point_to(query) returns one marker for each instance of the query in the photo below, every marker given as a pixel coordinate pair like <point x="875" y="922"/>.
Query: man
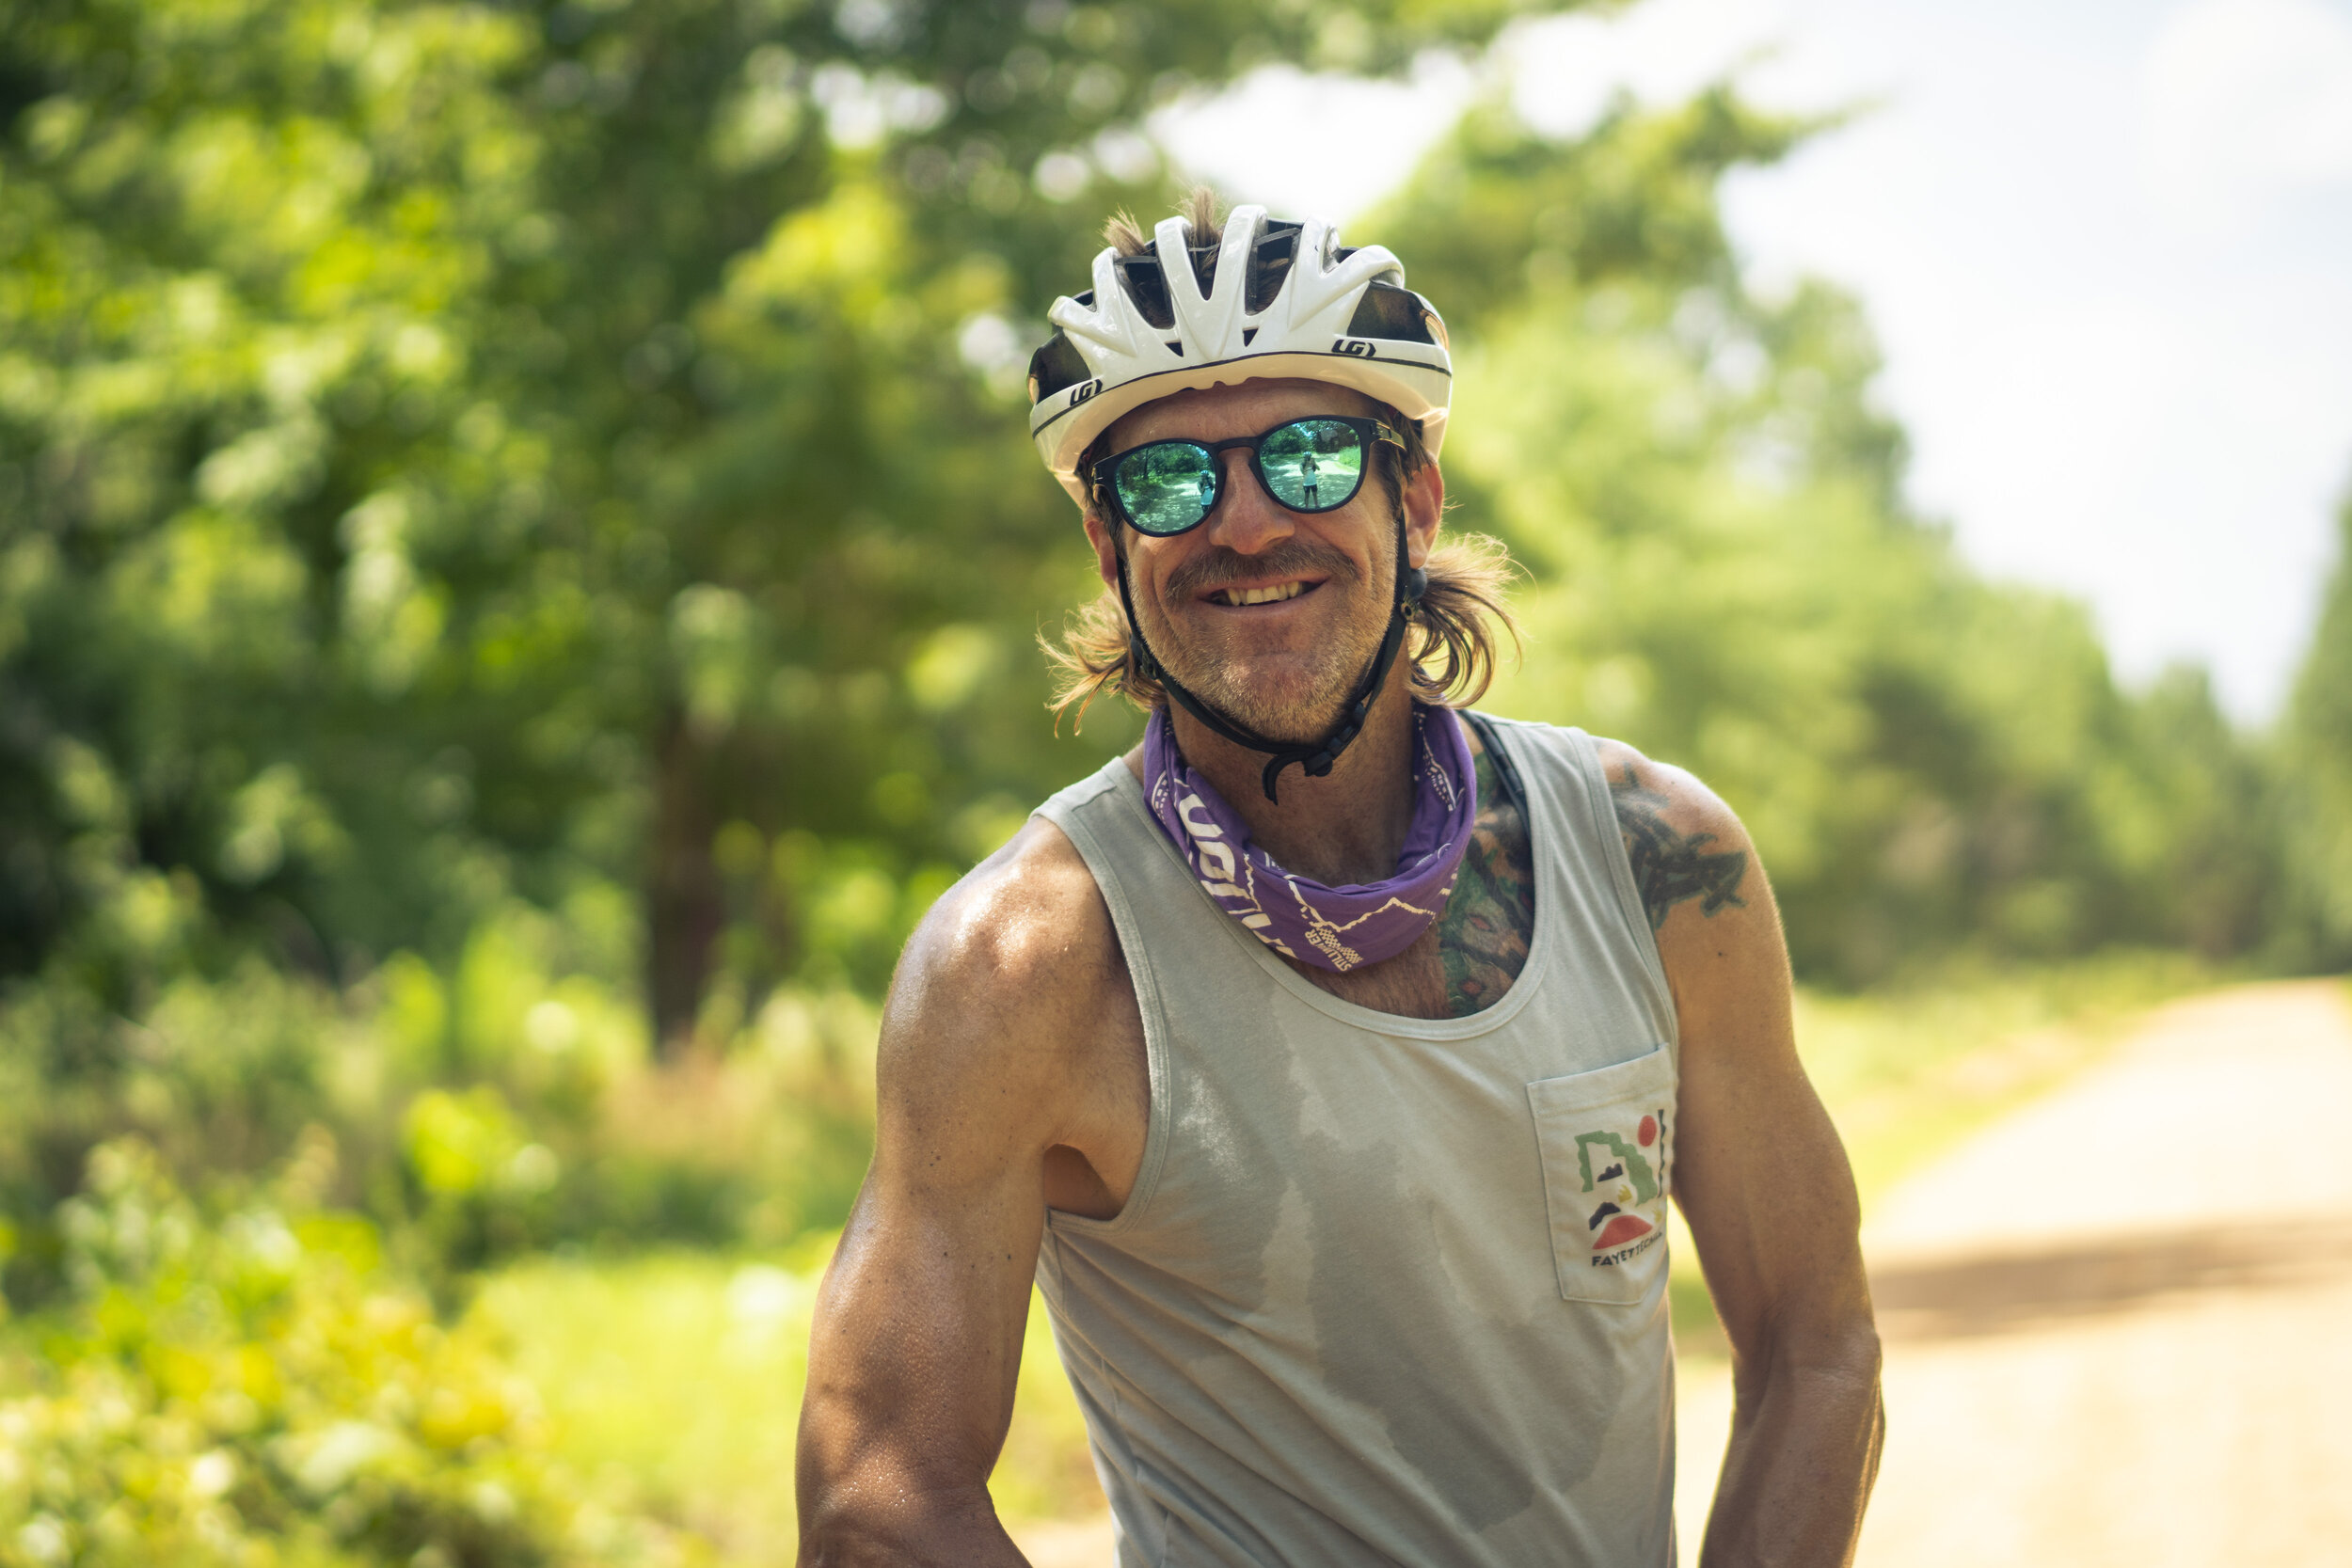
<point x="1335" y="1112"/>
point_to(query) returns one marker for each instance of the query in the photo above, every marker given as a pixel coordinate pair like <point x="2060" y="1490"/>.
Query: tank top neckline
<point x="1540" y="946"/>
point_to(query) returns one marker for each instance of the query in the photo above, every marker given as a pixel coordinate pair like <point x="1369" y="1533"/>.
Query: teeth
<point x="1262" y="595"/>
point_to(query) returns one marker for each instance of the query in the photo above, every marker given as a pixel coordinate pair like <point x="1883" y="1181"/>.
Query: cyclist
<point x="1336" y="1112"/>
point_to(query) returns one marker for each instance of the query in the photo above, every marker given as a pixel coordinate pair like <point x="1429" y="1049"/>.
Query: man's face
<point x="1283" y="666"/>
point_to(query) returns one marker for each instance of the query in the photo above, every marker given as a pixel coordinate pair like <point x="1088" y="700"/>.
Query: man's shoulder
<point x="1642" y="784"/>
<point x="1026" y="922"/>
<point x="1683" y="843"/>
<point x="1012" y="988"/>
<point x="1009" y="1023"/>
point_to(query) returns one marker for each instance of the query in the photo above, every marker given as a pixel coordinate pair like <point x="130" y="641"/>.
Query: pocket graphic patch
<point x="1606" y="1139"/>
<point x="1625" y="1190"/>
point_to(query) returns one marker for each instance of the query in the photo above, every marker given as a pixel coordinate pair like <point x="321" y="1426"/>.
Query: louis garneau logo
<point x="1626" y="1183"/>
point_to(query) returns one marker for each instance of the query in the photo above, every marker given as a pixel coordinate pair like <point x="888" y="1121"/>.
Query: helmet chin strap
<point x="1314" y="758"/>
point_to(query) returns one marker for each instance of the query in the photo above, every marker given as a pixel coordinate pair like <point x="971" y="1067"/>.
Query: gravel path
<point x="2118" y="1323"/>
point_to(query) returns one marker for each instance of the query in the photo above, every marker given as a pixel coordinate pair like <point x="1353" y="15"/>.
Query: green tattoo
<point x="1483" y="935"/>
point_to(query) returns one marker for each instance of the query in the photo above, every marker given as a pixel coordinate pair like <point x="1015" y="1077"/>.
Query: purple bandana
<point x="1333" y="927"/>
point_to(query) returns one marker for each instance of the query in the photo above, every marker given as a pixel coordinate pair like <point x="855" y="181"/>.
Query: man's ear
<point x="1103" y="534"/>
<point x="1424" y="500"/>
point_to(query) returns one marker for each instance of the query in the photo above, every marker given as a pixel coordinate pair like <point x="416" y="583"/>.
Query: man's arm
<point x="1763" y="1181"/>
<point x="992" y="1073"/>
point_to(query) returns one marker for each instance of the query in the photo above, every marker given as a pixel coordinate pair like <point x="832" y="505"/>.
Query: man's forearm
<point x="1803" y="1452"/>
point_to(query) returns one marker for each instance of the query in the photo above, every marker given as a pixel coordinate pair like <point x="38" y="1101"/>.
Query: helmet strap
<point x="1314" y="757"/>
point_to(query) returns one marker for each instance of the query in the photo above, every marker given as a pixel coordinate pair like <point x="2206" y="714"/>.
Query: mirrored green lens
<point x="1166" y="486"/>
<point x="1313" y="465"/>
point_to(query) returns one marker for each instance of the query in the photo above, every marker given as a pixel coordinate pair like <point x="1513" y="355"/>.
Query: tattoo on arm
<point x="1668" y="867"/>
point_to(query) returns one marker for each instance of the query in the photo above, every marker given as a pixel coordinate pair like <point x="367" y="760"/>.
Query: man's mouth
<point x="1271" y="593"/>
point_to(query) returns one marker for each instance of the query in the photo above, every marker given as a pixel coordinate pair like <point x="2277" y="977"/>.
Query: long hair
<point x="1452" y="646"/>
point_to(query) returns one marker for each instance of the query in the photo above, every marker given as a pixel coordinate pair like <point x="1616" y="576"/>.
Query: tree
<point x="461" y="452"/>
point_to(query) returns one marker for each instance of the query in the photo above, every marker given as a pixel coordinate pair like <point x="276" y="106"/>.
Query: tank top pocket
<point x="1606" y="1141"/>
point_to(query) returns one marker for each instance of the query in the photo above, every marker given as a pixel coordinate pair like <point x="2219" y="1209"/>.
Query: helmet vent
<point x="1147" y="289"/>
<point x="1175" y="346"/>
<point x="1270" y="261"/>
<point x="1204" y="266"/>
<point x="1388" y="311"/>
<point x="1249" y="336"/>
<point x="1055" y="366"/>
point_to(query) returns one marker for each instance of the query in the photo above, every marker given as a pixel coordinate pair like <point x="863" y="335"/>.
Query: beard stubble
<point x="1280" y="710"/>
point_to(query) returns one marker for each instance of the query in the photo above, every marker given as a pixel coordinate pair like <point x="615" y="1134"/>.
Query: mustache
<point x="1222" y="567"/>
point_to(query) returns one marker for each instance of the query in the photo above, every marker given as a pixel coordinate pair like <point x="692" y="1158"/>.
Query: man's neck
<point x="1347" y="827"/>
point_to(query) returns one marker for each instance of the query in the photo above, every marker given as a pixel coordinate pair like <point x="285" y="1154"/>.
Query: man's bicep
<point x="915" y="1350"/>
<point x="917" y="1339"/>
<point x="913" y="1361"/>
<point x="1763" y="1181"/>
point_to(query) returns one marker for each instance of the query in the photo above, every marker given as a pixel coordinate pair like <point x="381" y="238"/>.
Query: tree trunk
<point x="685" y="902"/>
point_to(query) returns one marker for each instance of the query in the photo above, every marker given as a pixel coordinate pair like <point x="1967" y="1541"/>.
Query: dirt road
<point x="2118" y="1323"/>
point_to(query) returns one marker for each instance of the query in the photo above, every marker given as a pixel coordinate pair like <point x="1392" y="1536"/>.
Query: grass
<point x="674" y="1379"/>
<point x="673" y="1383"/>
<point x="1907" y="1074"/>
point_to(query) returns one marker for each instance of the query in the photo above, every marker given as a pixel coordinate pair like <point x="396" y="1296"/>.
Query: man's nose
<point x="1247" y="520"/>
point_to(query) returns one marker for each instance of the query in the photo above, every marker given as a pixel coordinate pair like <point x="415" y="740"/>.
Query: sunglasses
<point x="1313" y="465"/>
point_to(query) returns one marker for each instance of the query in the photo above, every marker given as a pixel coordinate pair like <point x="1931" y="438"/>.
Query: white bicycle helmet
<point x="1274" y="298"/>
<point x="1271" y="298"/>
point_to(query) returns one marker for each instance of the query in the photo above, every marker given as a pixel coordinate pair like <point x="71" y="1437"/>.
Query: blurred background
<point x="519" y="571"/>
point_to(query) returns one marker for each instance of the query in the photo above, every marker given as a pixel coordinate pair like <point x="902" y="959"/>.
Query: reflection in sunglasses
<point x="1310" y="464"/>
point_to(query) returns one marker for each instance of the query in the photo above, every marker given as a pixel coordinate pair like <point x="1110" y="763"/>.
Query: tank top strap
<point x="1562" y="777"/>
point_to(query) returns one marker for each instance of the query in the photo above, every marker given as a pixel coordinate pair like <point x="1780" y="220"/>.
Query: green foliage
<point x="256" y="1390"/>
<point x="674" y="1377"/>
<point x="453" y="453"/>
<point x="497" y="1111"/>
<point x="1635" y="198"/>
<point x="2315" y="755"/>
<point x="513" y="514"/>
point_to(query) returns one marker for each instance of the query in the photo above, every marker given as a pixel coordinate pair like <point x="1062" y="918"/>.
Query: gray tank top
<point x="1387" y="1290"/>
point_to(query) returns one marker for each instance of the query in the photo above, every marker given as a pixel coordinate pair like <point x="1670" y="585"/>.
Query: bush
<point x="258" y="1389"/>
<point x="498" y="1108"/>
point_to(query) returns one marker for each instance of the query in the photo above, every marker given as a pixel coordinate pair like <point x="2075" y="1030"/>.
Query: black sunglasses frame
<point x="1104" y="474"/>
